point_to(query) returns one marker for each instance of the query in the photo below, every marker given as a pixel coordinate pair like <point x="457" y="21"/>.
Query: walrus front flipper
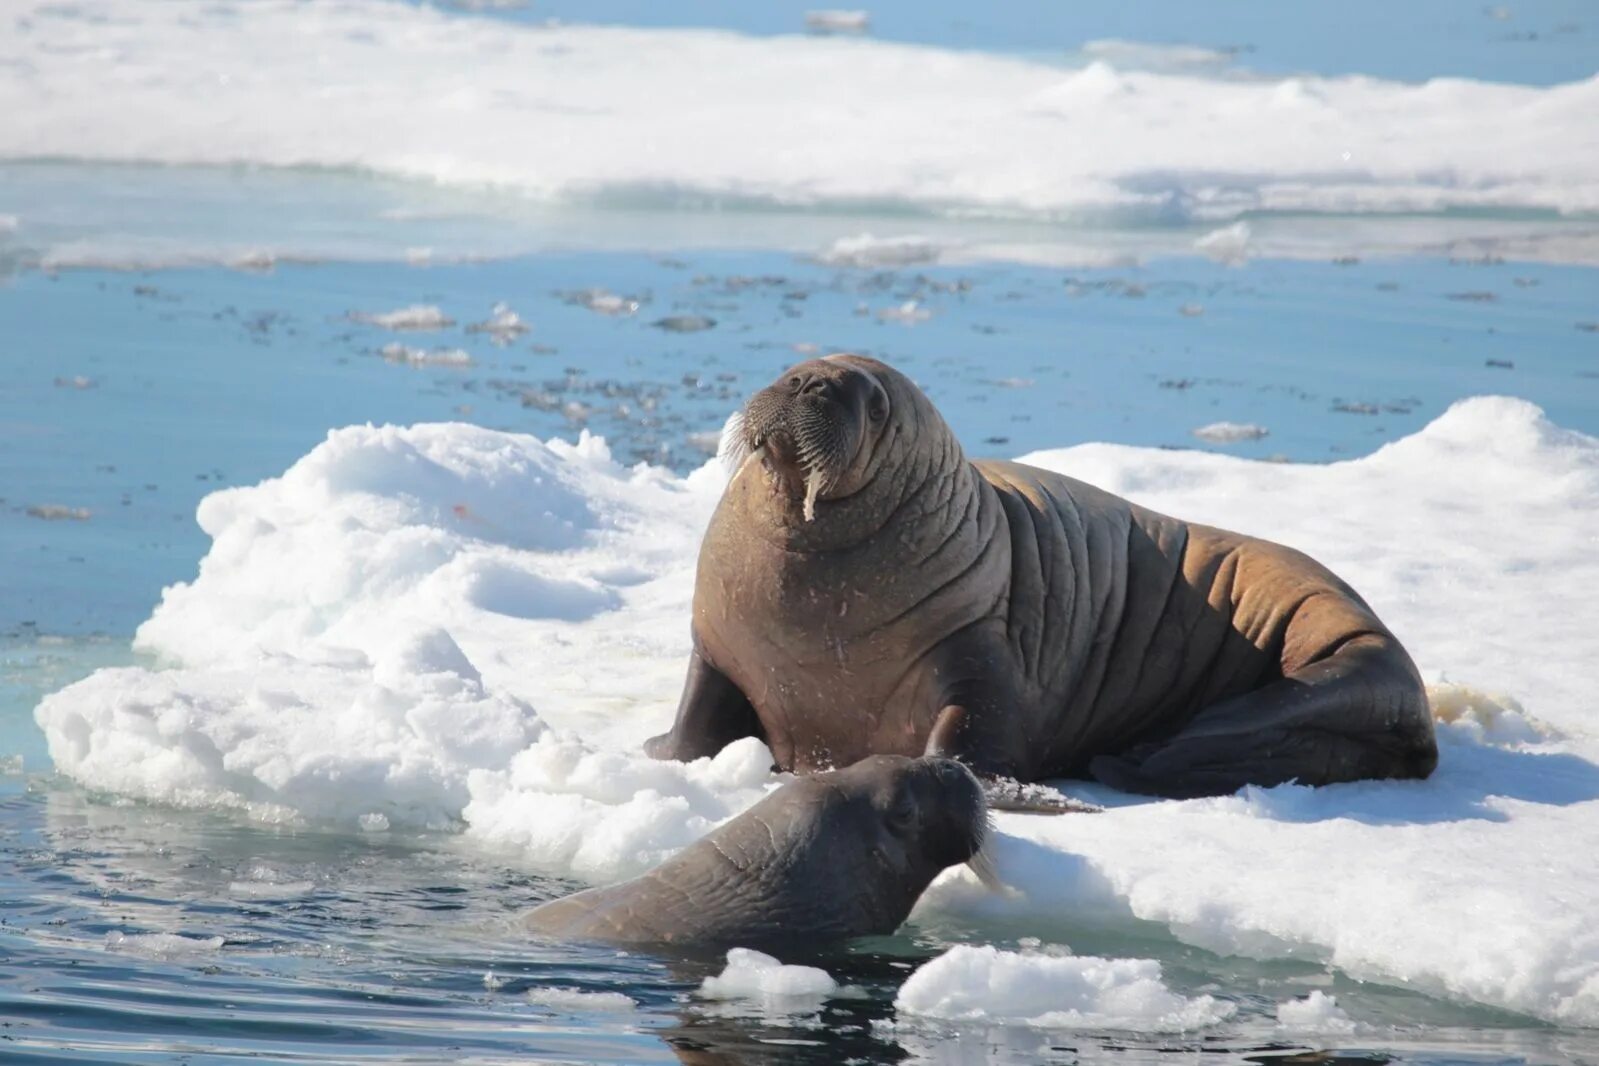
<point x="1359" y="713"/>
<point x="952" y="737"/>
<point x="1006" y="794"/>
<point x="711" y="715"/>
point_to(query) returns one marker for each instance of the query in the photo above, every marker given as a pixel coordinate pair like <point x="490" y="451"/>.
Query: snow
<point x="444" y="626"/>
<point x="1048" y="991"/>
<point x="411" y="91"/>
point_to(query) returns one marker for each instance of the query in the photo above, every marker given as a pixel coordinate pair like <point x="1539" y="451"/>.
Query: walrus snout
<point x="808" y="426"/>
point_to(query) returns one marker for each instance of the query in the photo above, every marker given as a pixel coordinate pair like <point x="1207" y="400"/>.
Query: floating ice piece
<point x="866" y="250"/>
<point x="414" y="317"/>
<point x="1230" y="432"/>
<point x="1229" y="244"/>
<point x="577" y="1001"/>
<point x="1048" y="991"/>
<point x="908" y="313"/>
<point x="770" y="986"/>
<point x="409" y="356"/>
<point x="603" y="301"/>
<point x="503" y="325"/>
<point x="684" y="323"/>
<point x="56" y="512"/>
<point x="837" y="21"/>
<point x="1316" y="1013"/>
<point x="162" y="945"/>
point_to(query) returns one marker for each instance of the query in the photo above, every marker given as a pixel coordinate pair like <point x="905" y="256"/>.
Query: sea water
<point x="400" y="700"/>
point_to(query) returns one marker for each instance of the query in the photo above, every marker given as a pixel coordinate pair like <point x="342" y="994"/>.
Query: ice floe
<point x="1051" y="991"/>
<point x="686" y="114"/>
<point x="442" y="625"/>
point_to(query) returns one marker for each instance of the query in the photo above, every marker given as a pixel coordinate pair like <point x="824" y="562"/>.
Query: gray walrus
<point x="826" y="857"/>
<point x="862" y="580"/>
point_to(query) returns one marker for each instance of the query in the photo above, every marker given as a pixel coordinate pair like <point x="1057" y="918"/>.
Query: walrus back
<point x="1141" y="620"/>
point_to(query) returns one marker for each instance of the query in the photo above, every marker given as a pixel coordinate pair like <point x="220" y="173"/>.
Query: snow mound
<point x="986" y="984"/>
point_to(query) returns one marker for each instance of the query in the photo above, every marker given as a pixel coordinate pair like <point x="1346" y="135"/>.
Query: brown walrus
<point x="862" y="580"/>
<point x="824" y="858"/>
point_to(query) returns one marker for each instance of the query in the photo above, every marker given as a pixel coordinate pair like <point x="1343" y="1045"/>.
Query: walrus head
<point x="825" y="428"/>
<point x="834" y="855"/>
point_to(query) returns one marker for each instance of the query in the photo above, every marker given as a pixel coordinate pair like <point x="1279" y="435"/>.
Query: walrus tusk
<point x="813" y="488"/>
<point x="982" y="864"/>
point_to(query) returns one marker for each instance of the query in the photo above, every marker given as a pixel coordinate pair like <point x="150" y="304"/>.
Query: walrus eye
<point x="878" y="409"/>
<point x="901" y="817"/>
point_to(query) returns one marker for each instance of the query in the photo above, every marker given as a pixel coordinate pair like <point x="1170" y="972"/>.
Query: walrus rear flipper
<point x="1357" y="714"/>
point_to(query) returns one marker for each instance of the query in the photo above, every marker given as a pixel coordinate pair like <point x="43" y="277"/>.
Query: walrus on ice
<point x="824" y="858"/>
<point x="862" y="580"/>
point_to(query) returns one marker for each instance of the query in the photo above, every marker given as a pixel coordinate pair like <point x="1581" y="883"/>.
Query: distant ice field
<point x="403" y="132"/>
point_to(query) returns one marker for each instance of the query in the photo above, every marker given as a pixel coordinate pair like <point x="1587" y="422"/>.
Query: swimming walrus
<point x="862" y="580"/>
<point x="824" y="858"/>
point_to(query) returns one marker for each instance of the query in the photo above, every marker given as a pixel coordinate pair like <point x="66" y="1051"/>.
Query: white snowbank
<point x="985" y="984"/>
<point x="562" y="112"/>
<point x="371" y="633"/>
<point x="1316" y="1013"/>
<point x="769" y="984"/>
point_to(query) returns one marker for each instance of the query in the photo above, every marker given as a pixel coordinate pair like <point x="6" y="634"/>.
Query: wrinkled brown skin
<point x="824" y="858"/>
<point x="1077" y="633"/>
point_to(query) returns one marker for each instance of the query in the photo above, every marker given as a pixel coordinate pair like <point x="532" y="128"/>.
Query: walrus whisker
<point x="735" y="445"/>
